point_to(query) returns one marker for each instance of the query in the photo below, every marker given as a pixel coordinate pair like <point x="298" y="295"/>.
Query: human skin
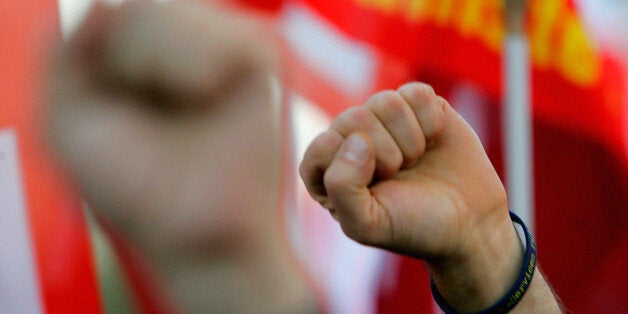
<point x="405" y="173"/>
<point x="166" y="119"/>
<point x="168" y="123"/>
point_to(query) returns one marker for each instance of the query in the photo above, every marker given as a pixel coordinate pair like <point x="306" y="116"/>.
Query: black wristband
<point x="516" y="292"/>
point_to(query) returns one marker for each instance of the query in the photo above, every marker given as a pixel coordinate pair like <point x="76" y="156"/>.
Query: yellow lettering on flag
<point x="577" y="59"/>
<point x="558" y="40"/>
<point x="483" y="19"/>
<point x="544" y="17"/>
<point x="386" y="6"/>
<point x="417" y="10"/>
<point x="445" y="12"/>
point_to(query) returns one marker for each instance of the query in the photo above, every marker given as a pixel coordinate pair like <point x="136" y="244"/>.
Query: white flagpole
<point x="517" y="114"/>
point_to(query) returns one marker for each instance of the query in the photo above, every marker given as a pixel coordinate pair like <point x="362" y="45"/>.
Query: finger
<point x="79" y="110"/>
<point x="316" y="160"/>
<point x="74" y="97"/>
<point x="387" y="153"/>
<point x="396" y="115"/>
<point x="346" y="181"/>
<point x="184" y="49"/>
<point x="89" y="40"/>
<point x="428" y="107"/>
<point x="73" y="62"/>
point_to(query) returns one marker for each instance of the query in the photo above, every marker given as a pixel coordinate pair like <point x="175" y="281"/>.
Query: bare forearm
<point x="499" y="267"/>
<point x="539" y="298"/>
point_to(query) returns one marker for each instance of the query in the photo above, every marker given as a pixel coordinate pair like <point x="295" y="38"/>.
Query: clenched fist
<point x="166" y="117"/>
<point x="404" y="172"/>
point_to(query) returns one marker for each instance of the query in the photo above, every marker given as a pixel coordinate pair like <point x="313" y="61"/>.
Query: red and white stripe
<point x="19" y="286"/>
<point x="46" y="263"/>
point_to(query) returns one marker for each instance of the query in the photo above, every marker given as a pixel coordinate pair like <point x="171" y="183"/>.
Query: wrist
<point x="484" y="271"/>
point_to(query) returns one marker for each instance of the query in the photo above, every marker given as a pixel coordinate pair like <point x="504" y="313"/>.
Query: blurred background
<point x="562" y="62"/>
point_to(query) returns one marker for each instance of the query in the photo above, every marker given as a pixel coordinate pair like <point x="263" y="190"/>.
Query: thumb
<point x="347" y="180"/>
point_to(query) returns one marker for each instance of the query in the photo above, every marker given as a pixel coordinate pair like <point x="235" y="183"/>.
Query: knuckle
<point x="389" y="161"/>
<point x="423" y="89"/>
<point x="439" y="109"/>
<point x="320" y="152"/>
<point x="441" y="105"/>
<point x="385" y="98"/>
<point x="388" y="104"/>
<point x="312" y="178"/>
<point x="419" y="90"/>
<point x="438" y="117"/>
<point x="414" y="153"/>
<point x="354" y="118"/>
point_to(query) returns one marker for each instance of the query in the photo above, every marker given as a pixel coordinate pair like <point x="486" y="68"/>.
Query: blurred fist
<point x="166" y="116"/>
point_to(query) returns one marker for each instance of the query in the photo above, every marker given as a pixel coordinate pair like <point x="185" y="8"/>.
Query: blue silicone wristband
<point x="516" y="292"/>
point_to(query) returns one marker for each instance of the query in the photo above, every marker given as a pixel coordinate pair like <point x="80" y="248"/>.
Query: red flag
<point x="57" y="232"/>
<point x="578" y="94"/>
<point x="575" y="85"/>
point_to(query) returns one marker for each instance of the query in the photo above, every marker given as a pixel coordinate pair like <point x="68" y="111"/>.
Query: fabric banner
<point x="344" y="50"/>
<point x="340" y="52"/>
<point x="62" y="262"/>
<point x="575" y="84"/>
